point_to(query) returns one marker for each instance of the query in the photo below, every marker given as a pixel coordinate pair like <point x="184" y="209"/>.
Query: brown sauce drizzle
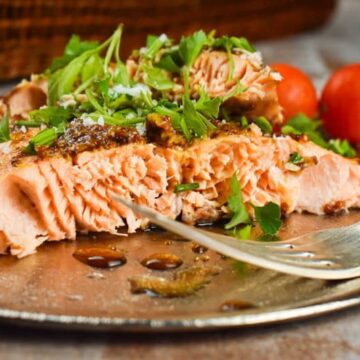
<point x="236" y="305"/>
<point x="162" y="261"/>
<point x="182" y="283"/>
<point x="105" y="258"/>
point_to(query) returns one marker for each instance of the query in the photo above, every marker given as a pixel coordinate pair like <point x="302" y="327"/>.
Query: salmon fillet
<point x="51" y="199"/>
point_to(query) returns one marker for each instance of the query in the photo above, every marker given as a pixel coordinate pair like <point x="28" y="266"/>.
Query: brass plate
<point x="53" y="289"/>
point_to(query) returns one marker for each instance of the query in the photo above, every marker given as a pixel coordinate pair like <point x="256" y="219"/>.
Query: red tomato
<point x="340" y="103"/>
<point x="296" y="92"/>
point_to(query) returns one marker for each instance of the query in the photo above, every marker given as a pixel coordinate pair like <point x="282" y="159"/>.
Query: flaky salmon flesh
<point x="54" y="195"/>
<point x="54" y="198"/>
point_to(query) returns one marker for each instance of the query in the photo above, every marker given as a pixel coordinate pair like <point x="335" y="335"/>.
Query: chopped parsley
<point x="342" y="147"/>
<point x="264" y="125"/>
<point x="302" y="124"/>
<point x="186" y="187"/>
<point x="268" y="217"/>
<point x="236" y="205"/>
<point x="4" y="128"/>
<point x="296" y="158"/>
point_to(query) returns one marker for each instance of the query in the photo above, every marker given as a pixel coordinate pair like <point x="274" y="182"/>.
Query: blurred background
<point x="317" y="35"/>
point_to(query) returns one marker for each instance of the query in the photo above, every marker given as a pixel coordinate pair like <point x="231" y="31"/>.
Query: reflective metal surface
<point x="53" y="289"/>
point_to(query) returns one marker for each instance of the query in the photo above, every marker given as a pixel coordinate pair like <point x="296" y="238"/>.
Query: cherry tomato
<point x="296" y="92"/>
<point x="340" y="103"/>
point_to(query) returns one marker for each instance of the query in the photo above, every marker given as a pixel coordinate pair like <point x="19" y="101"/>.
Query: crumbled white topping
<point x="143" y="50"/>
<point x="276" y="76"/>
<point x="86" y="120"/>
<point x="5" y="147"/>
<point x="163" y="38"/>
<point x="141" y="128"/>
<point x="101" y="121"/>
<point x="134" y="91"/>
<point x="130" y="115"/>
<point x="43" y="126"/>
<point x="292" y="167"/>
<point x="67" y="100"/>
<point x="23" y="129"/>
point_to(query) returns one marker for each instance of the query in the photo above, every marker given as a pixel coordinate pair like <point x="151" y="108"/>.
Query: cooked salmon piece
<point x="211" y="71"/>
<point x="56" y="197"/>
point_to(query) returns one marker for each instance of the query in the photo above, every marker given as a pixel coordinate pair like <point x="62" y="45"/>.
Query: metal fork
<point x="331" y="254"/>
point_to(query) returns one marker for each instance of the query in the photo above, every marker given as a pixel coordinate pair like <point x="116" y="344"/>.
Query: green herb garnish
<point x="4" y="128"/>
<point x="186" y="187"/>
<point x="241" y="232"/>
<point x="236" y="205"/>
<point x="73" y="49"/>
<point x="264" y="125"/>
<point x="342" y="147"/>
<point x="268" y="217"/>
<point x="296" y="158"/>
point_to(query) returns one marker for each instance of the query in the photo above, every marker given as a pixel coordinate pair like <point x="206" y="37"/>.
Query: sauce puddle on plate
<point x="162" y="261"/>
<point x="105" y="258"/>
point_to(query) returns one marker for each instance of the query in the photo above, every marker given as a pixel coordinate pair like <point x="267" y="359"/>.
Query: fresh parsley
<point x="73" y="49"/>
<point x="186" y="187"/>
<point x="236" y="205"/>
<point x="191" y="46"/>
<point x="241" y="232"/>
<point x="4" y="128"/>
<point x="268" y="217"/>
<point x="264" y="125"/>
<point x="342" y="147"/>
<point x="296" y="158"/>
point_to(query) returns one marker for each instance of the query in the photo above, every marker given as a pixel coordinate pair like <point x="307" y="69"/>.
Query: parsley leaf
<point x="268" y="217"/>
<point x="4" y="128"/>
<point x="342" y="147"/>
<point x="236" y="205"/>
<point x="296" y="158"/>
<point x="73" y="48"/>
<point x="241" y="232"/>
<point x="191" y="46"/>
<point x="301" y="124"/>
<point x="51" y="116"/>
<point x="207" y="106"/>
<point x="154" y="44"/>
<point x="264" y="125"/>
<point x="156" y="78"/>
<point x="186" y="187"/>
<point x="198" y="123"/>
<point x="167" y="62"/>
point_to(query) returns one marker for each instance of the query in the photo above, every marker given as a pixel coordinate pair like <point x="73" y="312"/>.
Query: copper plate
<point x="53" y="289"/>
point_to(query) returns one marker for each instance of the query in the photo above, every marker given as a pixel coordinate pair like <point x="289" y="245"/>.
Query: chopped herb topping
<point x="4" y="128"/>
<point x="301" y="124"/>
<point x="296" y="158"/>
<point x="236" y="205"/>
<point x="241" y="232"/>
<point x="342" y="147"/>
<point x="264" y="125"/>
<point x="268" y="217"/>
<point x="186" y="187"/>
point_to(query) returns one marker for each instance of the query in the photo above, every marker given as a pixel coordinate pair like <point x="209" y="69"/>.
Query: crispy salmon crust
<point x="53" y="199"/>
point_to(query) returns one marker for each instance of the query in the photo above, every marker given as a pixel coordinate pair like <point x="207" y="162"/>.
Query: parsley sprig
<point x="268" y="216"/>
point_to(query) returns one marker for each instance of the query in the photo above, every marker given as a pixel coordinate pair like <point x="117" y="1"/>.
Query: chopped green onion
<point x="186" y="187"/>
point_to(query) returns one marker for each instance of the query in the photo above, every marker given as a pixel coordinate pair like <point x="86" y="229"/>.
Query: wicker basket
<point x="32" y="32"/>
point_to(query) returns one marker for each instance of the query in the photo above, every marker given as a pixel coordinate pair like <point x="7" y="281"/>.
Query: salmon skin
<point x="54" y="198"/>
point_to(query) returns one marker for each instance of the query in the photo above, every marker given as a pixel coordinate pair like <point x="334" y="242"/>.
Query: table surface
<point x="330" y="337"/>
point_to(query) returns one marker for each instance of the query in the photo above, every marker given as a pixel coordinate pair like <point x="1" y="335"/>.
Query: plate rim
<point x="236" y="319"/>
